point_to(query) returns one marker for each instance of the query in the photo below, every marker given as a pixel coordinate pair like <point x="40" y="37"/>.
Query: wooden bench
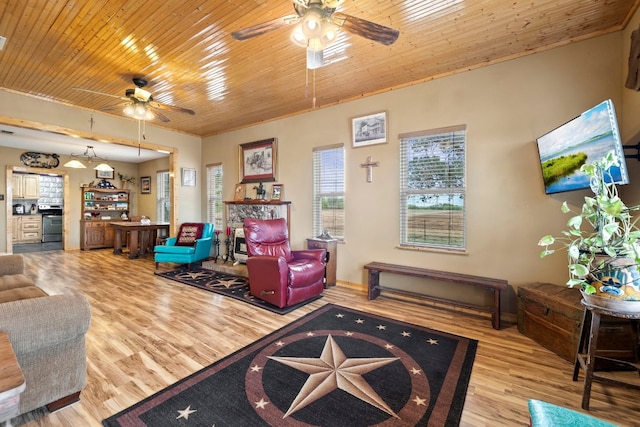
<point x="493" y="285"/>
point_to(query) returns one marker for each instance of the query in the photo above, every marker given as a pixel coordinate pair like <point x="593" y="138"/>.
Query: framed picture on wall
<point x="105" y="174"/>
<point x="258" y="161"/>
<point x="188" y="177"/>
<point x="369" y="130"/>
<point x="145" y="185"/>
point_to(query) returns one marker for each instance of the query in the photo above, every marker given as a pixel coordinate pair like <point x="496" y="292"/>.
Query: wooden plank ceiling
<point x="185" y="50"/>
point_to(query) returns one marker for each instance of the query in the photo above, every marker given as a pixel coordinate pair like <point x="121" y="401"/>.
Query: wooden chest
<point x="551" y="315"/>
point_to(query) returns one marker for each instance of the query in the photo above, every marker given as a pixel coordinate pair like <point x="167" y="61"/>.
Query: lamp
<point x="89" y="156"/>
<point x="138" y="111"/>
<point x="315" y="33"/>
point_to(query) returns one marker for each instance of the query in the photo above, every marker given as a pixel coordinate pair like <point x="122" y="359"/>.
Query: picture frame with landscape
<point x="145" y="185"/>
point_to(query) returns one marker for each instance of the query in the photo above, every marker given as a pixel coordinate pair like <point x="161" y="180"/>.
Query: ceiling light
<point x="315" y="33"/>
<point x="3" y="40"/>
<point x="138" y="111"/>
<point x="88" y="156"/>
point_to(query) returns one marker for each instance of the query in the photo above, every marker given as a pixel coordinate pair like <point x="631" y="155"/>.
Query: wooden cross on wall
<point x="370" y="165"/>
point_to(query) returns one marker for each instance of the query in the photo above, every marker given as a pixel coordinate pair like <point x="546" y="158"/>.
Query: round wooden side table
<point x="586" y="355"/>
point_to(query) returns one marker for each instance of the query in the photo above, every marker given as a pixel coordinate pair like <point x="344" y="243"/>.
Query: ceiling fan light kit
<point x="317" y="27"/>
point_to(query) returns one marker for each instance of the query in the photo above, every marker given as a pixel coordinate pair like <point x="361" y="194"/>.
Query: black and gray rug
<point x="225" y="284"/>
<point x="333" y="367"/>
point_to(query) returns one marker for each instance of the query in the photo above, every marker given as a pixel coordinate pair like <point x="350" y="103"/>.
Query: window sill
<point x="435" y="250"/>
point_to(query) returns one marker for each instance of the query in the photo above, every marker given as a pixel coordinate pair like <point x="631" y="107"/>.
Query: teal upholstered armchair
<point x="193" y="243"/>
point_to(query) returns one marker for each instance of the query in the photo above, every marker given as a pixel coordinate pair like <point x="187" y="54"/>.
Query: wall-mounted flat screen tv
<point x="581" y="140"/>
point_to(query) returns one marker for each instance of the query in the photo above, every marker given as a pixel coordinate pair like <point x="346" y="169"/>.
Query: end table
<point x="12" y="381"/>
<point x="331" y="246"/>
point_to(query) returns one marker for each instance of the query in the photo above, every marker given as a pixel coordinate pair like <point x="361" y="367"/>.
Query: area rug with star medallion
<point x="225" y="284"/>
<point x="333" y="367"/>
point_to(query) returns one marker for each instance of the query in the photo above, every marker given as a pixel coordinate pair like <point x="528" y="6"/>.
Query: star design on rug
<point x="255" y="368"/>
<point x="360" y="321"/>
<point x="185" y="413"/>
<point x="261" y="403"/>
<point x="432" y="341"/>
<point x="406" y="334"/>
<point x="420" y="402"/>
<point x="195" y="274"/>
<point x="228" y="283"/>
<point x="381" y="327"/>
<point x="416" y="371"/>
<point x="332" y="371"/>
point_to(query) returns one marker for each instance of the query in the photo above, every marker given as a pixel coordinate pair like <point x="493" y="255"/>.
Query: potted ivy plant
<point x="602" y="240"/>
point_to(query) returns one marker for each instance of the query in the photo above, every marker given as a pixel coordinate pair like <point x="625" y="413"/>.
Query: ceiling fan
<point x="318" y="25"/>
<point x="139" y="103"/>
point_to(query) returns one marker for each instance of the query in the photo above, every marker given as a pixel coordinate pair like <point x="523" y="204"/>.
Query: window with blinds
<point x="163" y="202"/>
<point x="432" y="188"/>
<point x="214" y="195"/>
<point x="328" y="191"/>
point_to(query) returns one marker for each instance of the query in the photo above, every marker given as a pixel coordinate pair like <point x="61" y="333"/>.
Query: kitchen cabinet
<point x="27" y="229"/>
<point x="26" y="186"/>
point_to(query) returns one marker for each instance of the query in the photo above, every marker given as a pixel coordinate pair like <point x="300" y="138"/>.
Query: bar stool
<point x="586" y="355"/>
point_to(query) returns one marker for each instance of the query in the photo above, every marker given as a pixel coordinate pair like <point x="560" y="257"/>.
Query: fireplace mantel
<point x="238" y="210"/>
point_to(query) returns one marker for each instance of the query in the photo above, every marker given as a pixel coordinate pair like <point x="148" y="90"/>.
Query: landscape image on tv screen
<point x="580" y="141"/>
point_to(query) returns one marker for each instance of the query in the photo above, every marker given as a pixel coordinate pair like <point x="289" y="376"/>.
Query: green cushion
<point x="545" y="414"/>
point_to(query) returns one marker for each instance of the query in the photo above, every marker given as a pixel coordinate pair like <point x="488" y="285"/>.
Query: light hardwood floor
<point x="147" y="333"/>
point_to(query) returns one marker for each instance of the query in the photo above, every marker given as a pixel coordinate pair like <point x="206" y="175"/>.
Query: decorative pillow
<point x="189" y="233"/>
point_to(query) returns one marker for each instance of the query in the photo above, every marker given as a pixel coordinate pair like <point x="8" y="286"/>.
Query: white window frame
<point x="441" y="227"/>
<point x="215" y="205"/>
<point x="329" y="183"/>
<point x="163" y="196"/>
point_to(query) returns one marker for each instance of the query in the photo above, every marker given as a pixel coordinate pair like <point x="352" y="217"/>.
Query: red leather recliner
<point x="277" y="274"/>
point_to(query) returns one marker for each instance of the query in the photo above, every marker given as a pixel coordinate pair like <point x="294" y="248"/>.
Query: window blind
<point x="214" y="195"/>
<point x="328" y="190"/>
<point x="432" y="188"/>
<point x="163" y="201"/>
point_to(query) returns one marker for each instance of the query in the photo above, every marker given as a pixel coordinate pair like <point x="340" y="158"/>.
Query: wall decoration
<point x="277" y="191"/>
<point x="369" y="130"/>
<point x="105" y="174"/>
<point x="145" y="185"/>
<point x="258" y="161"/>
<point x="40" y="160"/>
<point x="240" y="192"/>
<point x="188" y="177"/>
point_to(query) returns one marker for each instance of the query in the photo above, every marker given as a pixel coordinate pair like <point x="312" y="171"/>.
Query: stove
<point x="52" y="223"/>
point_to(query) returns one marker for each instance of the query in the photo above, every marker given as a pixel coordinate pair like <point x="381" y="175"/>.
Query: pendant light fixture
<point x="88" y="156"/>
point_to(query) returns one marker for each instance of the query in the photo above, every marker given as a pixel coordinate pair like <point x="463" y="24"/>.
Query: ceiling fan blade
<point x="160" y="116"/>
<point x="265" y="27"/>
<point x="367" y="29"/>
<point x="114" y="107"/>
<point x="99" y="93"/>
<point x="161" y="106"/>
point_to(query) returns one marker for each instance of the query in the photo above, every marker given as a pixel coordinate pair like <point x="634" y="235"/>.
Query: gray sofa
<point x="47" y="334"/>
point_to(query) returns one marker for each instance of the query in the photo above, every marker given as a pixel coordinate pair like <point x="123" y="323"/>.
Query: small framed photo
<point x="105" y="174"/>
<point x="240" y="192"/>
<point x="188" y="177"/>
<point x="277" y="191"/>
<point x="369" y="130"/>
<point x="258" y="161"/>
<point x="145" y="185"/>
